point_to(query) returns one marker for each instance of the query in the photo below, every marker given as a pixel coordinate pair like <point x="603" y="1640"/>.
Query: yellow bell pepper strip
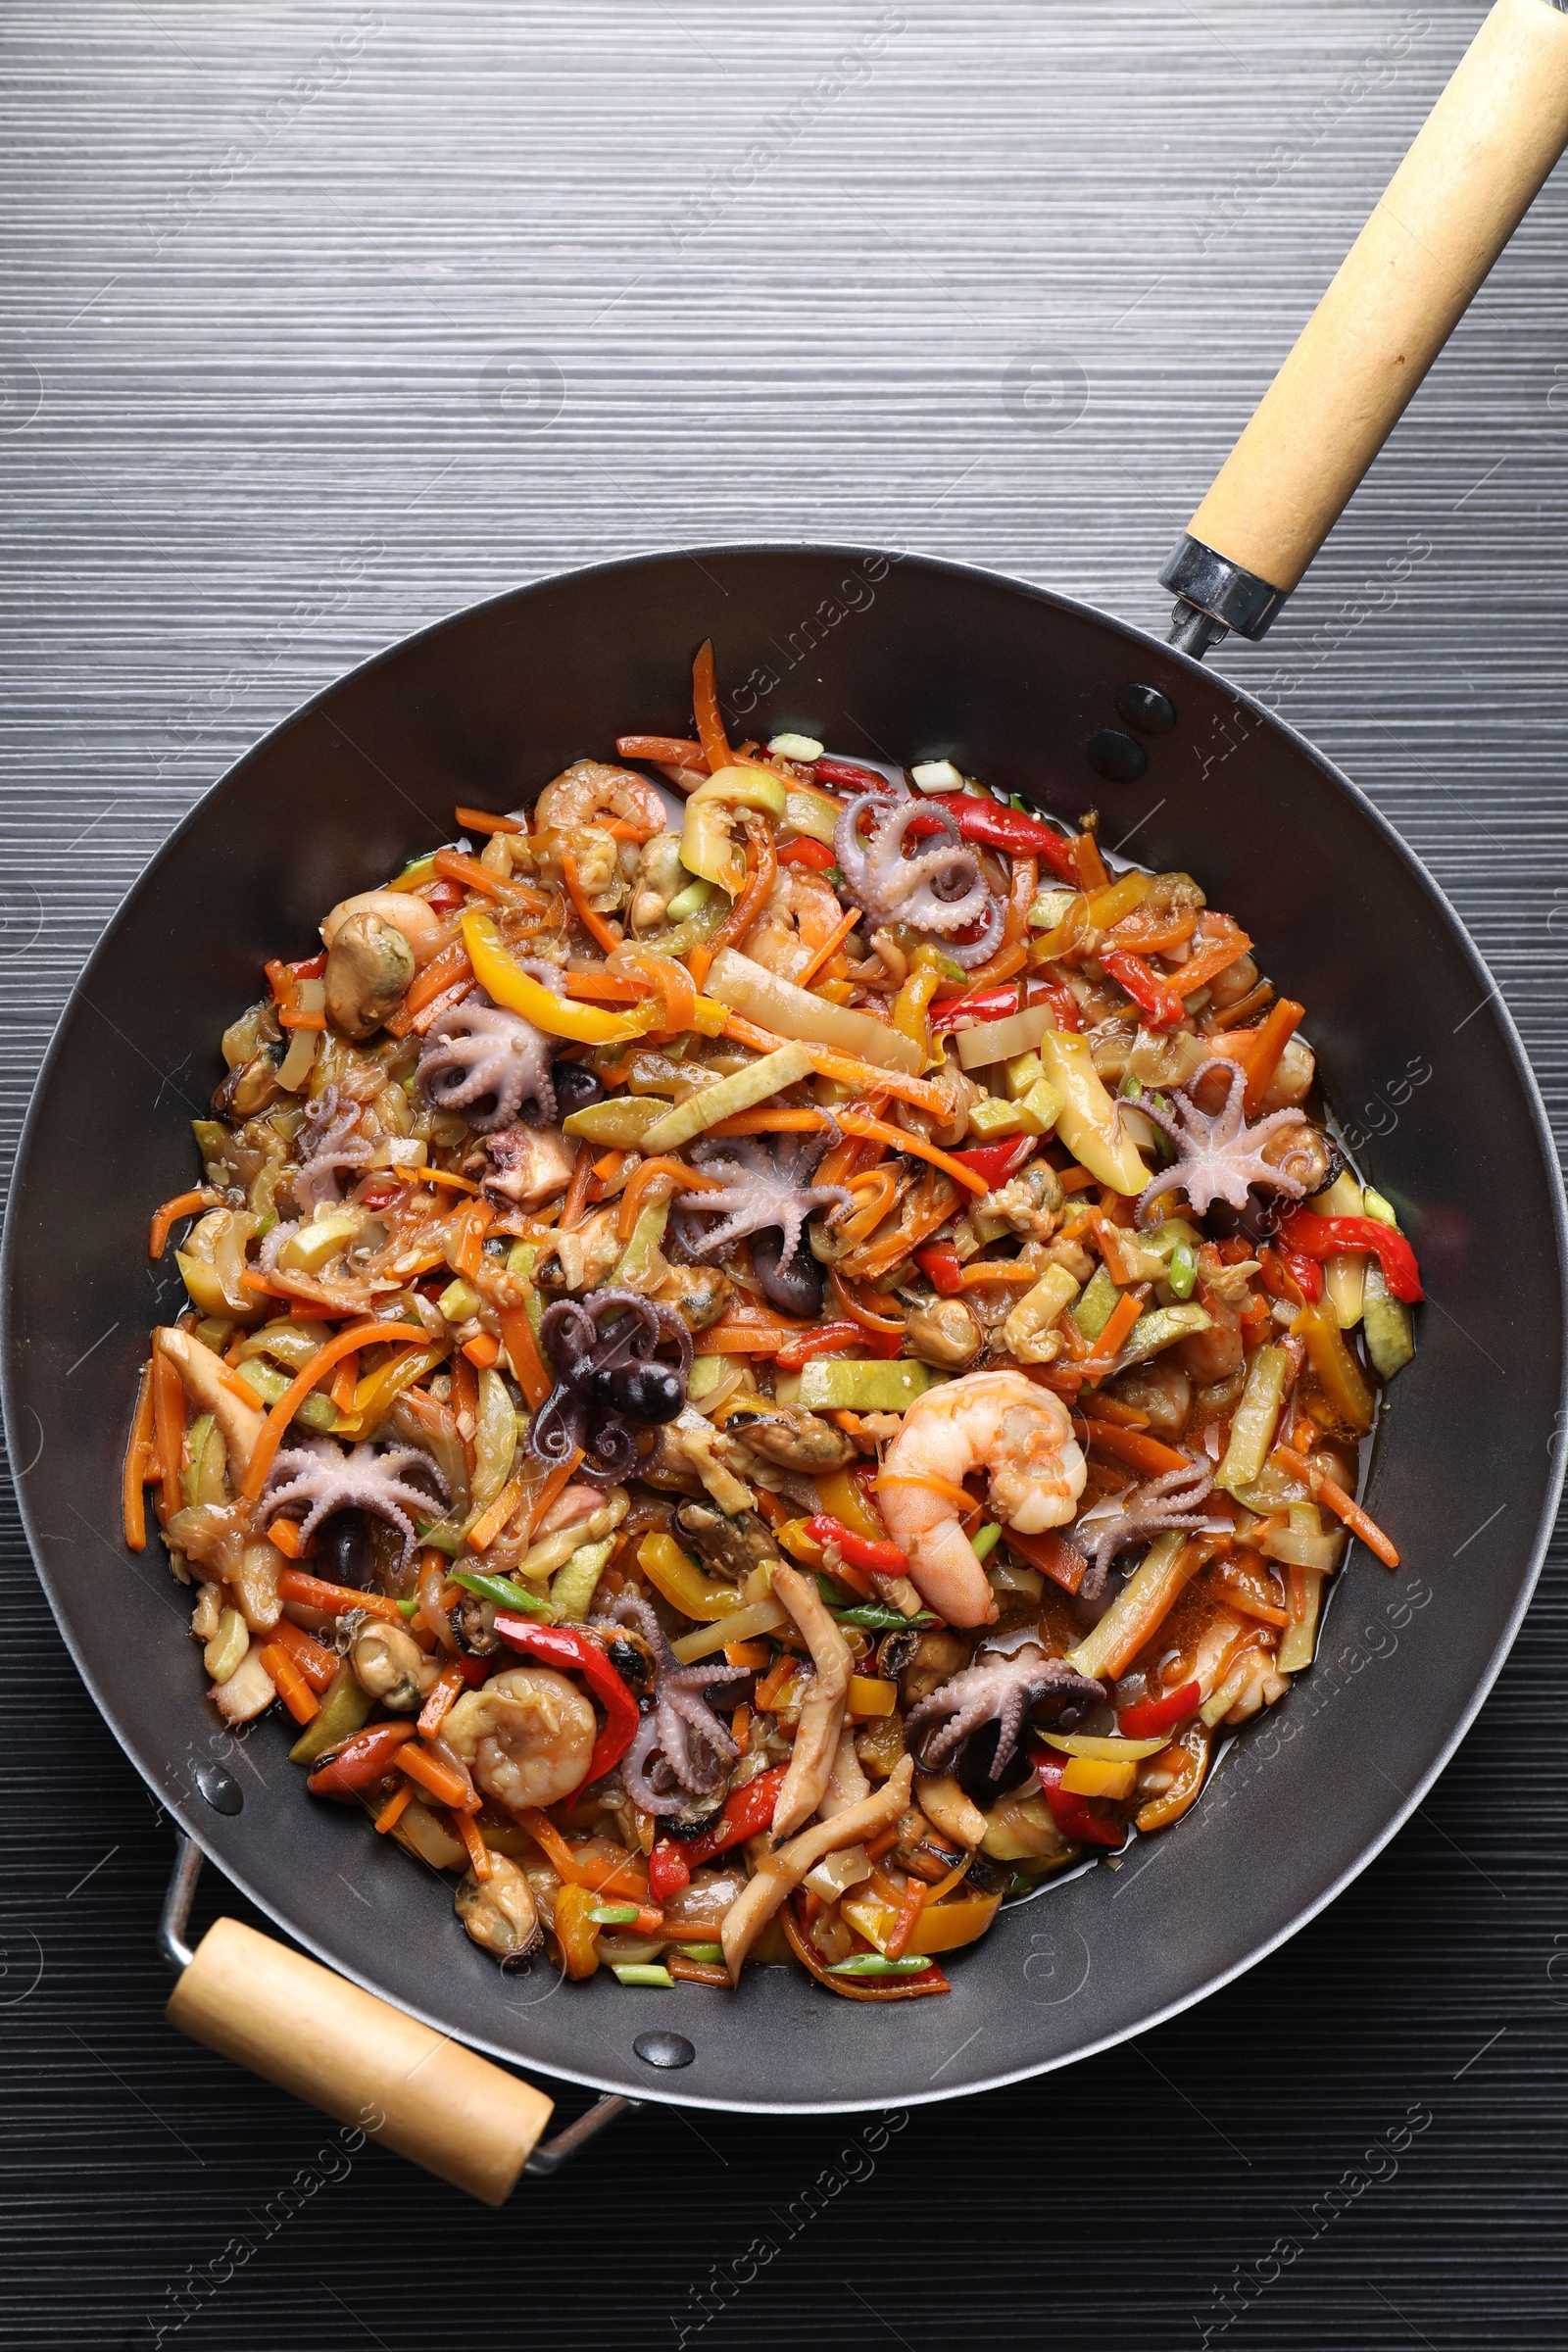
<point x="1187" y="1759"/>
<point x="1256" y="1417"/>
<point x="1088" y="1122"/>
<point x="1088" y="1775"/>
<point x="1089" y="1747"/>
<point x="576" y="1931"/>
<point x="869" y="1697"/>
<point x="506" y="982"/>
<point x="375" y="1396"/>
<point x="1327" y="1351"/>
<point x="668" y="1569"/>
<point x="844" y="1500"/>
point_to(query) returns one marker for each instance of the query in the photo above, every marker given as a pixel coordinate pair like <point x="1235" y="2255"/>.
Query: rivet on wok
<point x="665" y="2050"/>
<point x="1145" y="708"/>
<point x="1120" y="759"/>
<point x="219" y="1787"/>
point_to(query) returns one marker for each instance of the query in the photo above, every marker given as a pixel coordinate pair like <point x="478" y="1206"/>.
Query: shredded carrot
<point x="576" y="1201"/>
<point x="604" y="988"/>
<point x="908" y="1916"/>
<point x="1052" y="1555"/>
<point x="900" y="1138"/>
<point x="342" y="1343"/>
<point x="133" y="1504"/>
<point x="319" y="1665"/>
<point x="446" y="970"/>
<point x="1111" y="1408"/>
<point x="484" y="1530"/>
<point x="690" y="1180"/>
<point x="704" y="710"/>
<point x="662" y="751"/>
<point x="452" y="866"/>
<point x="473" y="1222"/>
<point x="457" y="1184"/>
<point x="847" y="1070"/>
<point x="184" y="1204"/>
<point x="345" y="1380"/>
<point x="740" y="1728"/>
<point x="771" y="1122"/>
<point x="1272" y="1037"/>
<point x="1002" y="966"/>
<point x="686" y="1971"/>
<point x="996" y="1269"/>
<point x="610" y="1167"/>
<point x="608" y="939"/>
<point x="1219" y="941"/>
<point x="774" y="1684"/>
<point x="522" y="1353"/>
<point x="859" y="1312"/>
<point x="292" y="1688"/>
<point x="555" y="1483"/>
<point x="397" y="1805"/>
<point x="439" y="1779"/>
<point x="1324" y="1490"/>
<point x="482" y="1351"/>
<point x="443" y="1693"/>
<point x="1092" y="875"/>
<point x="467" y="1830"/>
<point x="1105" y="1349"/>
<point x="479" y="820"/>
<point x="761" y="867"/>
<point x="169" y="1427"/>
<point x="698" y="959"/>
<point x="829" y="947"/>
<point x="285" y="1533"/>
<point x="628" y="1884"/>
<point x="938" y="1485"/>
<point x="334" y="1601"/>
<point x="1132" y="1446"/>
<point x="882" y="1843"/>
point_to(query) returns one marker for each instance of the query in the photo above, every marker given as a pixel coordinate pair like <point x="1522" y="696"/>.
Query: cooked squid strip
<point x="204" y="1376"/>
<point x="817" y="1740"/>
<point x="781" y="1873"/>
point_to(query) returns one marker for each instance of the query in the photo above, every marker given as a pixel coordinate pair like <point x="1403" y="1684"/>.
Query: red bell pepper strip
<point x="942" y="1265"/>
<point x="1074" y="1816"/>
<point x="986" y="820"/>
<point x="748" y="1813"/>
<point x="1324" y="1236"/>
<point x="861" y="1551"/>
<point x="1064" y="1005"/>
<point x="1155" y="1715"/>
<point x="985" y="1005"/>
<point x="843" y="775"/>
<point x="360" y="1761"/>
<point x="580" y="1653"/>
<point x="807" y="851"/>
<point x="832" y="1339"/>
<point x="1155" y="998"/>
<point x="1305" y="1273"/>
<point x="996" y="1162"/>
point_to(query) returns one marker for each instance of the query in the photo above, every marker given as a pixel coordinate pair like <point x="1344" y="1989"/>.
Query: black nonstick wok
<point x="899" y="658"/>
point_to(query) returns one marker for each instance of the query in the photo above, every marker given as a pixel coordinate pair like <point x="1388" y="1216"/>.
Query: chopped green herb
<point x="873" y="1964"/>
<point x="504" y="1592"/>
<point x="614" y="1914"/>
<point x="639" y="1972"/>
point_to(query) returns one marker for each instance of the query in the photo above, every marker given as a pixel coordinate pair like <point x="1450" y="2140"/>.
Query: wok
<point x="897" y="657"/>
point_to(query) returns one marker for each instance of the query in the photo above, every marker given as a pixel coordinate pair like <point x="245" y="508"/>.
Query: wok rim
<point x="651" y="2089"/>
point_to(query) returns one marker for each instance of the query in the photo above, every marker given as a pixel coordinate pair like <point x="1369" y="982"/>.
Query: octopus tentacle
<point x="329" y="1147"/>
<point x="758" y="1191"/>
<point x="1218" y="1156"/>
<point x="993" y="1690"/>
<point x="489" y="1064"/>
<point x="320" y="1474"/>
<point x="941" y="889"/>
<point x="1159" y="1506"/>
<point x="681" y="1748"/>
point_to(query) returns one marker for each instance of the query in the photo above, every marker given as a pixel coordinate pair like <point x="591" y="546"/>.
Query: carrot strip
<point x="442" y="972"/>
<point x="479" y="820"/>
<point x="444" y="1692"/>
<point x="909" y="1913"/>
<point x="184" y="1204"/>
<point x="1219" y="942"/>
<point x="609" y="940"/>
<point x="342" y="1343"/>
<point x="696" y="1972"/>
<point x="610" y="1167"/>
<point x="334" y="1601"/>
<point x="1130" y="1445"/>
<point x="482" y="1351"/>
<point x="555" y="1483"/>
<point x="522" y="1353"/>
<point x="439" y="1779"/>
<point x="704" y="710"/>
<point x="698" y="961"/>
<point x="576" y="1201"/>
<point x="829" y="947"/>
<point x="285" y="1533"/>
<point x="598" y="1876"/>
<point x="1105" y="1349"/>
<point x="467" y="1830"/>
<point x="762" y="866"/>
<point x="319" y="1665"/>
<point x="604" y="988"/>
<point x="1324" y="1490"/>
<point x="452" y="866"/>
<point x="689" y="1180"/>
<point x="397" y="1805"/>
<point x="885" y="1325"/>
<point x="484" y="1530"/>
<point x="477" y="1218"/>
<point x="847" y="1068"/>
<point x="662" y="751"/>
<point x="292" y="1688"/>
<point x="133" y="1502"/>
<point x="771" y="1122"/>
<point x="899" y="1138"/>
<point x="939" y="1485"/>
<point x="1111" y="1408"/>
<point x="996" y="1269"/>
<point x="1272" y="1037"/>
<point x="1002" y="966"/>
<point x="1051" y="1555"/>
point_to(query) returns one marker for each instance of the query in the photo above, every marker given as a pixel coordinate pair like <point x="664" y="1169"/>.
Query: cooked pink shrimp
<point x="588" y="792"/>
<point x="997" y="1421"/>
<point x="801" y="914"/>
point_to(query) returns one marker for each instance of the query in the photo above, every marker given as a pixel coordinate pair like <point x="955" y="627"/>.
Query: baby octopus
<point x="1010" y="1676"/>
<point x="997" y="1421"/>
<point x="1218" y="1156"/>
<point x="940" y="889"/>
<point x="317" y="1472"/>
<point x="488" y="1063"/>
<point x="768" y="1194"/>
<point x="681" y="1749"/>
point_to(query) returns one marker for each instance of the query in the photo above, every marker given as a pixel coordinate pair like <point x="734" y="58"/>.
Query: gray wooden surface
<point x="321" y="322"/>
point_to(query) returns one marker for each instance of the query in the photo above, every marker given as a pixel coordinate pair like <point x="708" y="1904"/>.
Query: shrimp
<point x="800" y="917"/>
<point x="590" y="794"/>
<point x="526" y="1736"/>
<point x="997" y="1420"/>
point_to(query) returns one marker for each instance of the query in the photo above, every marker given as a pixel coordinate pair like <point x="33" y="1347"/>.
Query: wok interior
<point x="895" y="661"/>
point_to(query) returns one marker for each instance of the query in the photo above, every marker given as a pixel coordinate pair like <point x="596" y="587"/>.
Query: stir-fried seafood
<point x="759" y="1377"/>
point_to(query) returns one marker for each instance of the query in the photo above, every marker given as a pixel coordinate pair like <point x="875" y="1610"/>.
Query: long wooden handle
<point x="1455" y="202"/>
<point x="362" y="2062"/>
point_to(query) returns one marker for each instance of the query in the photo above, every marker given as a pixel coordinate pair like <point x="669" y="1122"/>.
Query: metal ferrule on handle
<point x="357" y="2058"/>
<point x="1474" y="171"/>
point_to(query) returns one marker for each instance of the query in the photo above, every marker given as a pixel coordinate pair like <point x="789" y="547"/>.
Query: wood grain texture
<point x="322" y="322"/>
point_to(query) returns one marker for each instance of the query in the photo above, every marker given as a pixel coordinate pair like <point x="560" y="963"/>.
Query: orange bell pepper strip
<point x="706" y="710"/>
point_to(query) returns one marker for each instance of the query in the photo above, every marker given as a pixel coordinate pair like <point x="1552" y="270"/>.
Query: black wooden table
<point x="321" y="322"/>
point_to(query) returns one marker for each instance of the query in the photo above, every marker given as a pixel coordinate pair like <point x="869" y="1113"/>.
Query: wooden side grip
<point x="1476" y="166"/>
<point x="359" y="2061"/>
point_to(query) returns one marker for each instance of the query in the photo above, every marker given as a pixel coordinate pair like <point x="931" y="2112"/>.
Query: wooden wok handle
<point x="1476" y="166"/>
<point x="361" y="2061"/>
